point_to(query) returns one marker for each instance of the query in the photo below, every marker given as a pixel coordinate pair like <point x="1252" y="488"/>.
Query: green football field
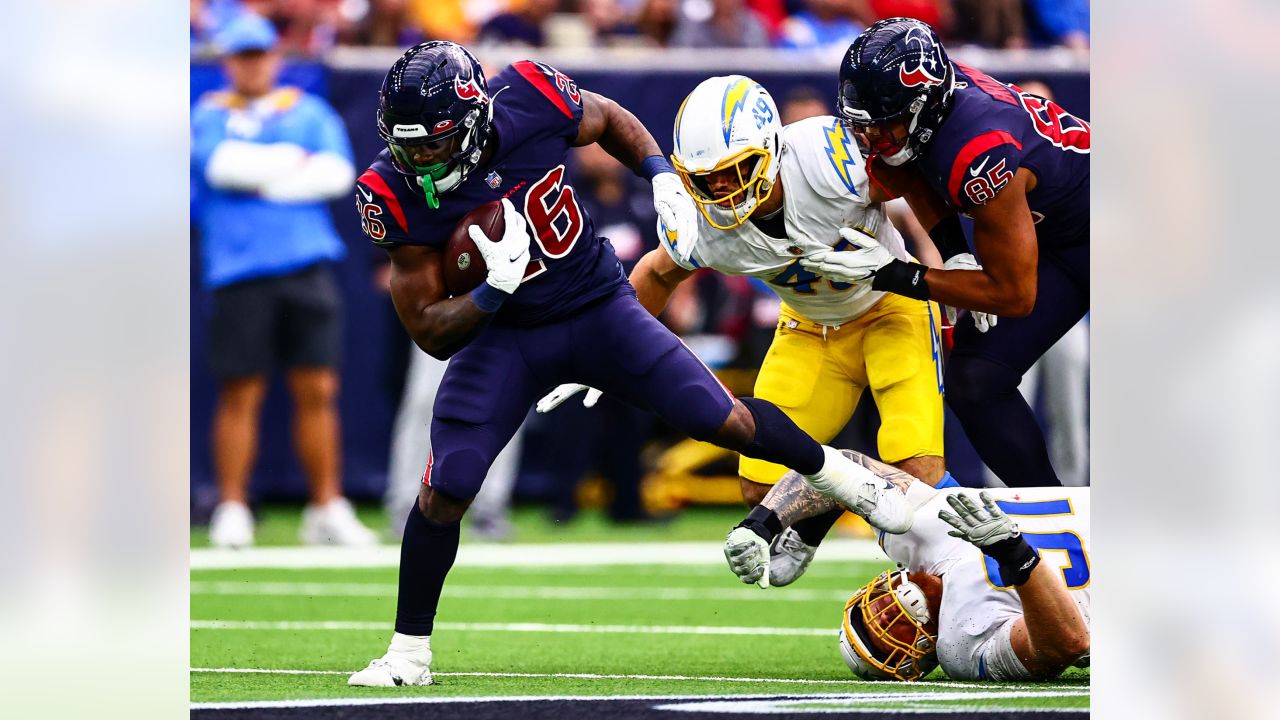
<point x="678" y="625"/>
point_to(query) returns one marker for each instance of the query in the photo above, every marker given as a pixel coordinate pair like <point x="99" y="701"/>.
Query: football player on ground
<point x="953" y="140"/>
<point x="552" y="311"/>
<point x="973" y="592"/>
<point x="768" y="195"/>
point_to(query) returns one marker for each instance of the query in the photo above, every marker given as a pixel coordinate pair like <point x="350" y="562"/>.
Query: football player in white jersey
<point x="770" y="195"/>
<point x="991" y="585"/>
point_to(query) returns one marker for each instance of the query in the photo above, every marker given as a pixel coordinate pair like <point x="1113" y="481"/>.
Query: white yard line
<point x="506" y="592"/>
<point x="825" y="697"/>
<point x="513" y="627"/>
<point x="1071" y="689"/>
<point x="514" y="555"/>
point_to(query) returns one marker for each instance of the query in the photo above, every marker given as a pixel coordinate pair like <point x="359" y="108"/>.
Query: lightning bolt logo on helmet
<point x="735" y="98"/>
<point x="918" y="75"/>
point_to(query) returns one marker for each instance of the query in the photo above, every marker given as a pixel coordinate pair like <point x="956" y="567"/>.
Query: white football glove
<point x="507" y="257"/>
<point x="748" y="556"/>
<point x="848" y="266"/>
<point x="983" y="321"/>
<point x="552" y="400"/>
<point x="676" y="211"/>
<point x="981" y="526"/>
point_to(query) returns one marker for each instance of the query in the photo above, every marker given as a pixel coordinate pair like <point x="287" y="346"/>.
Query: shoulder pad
<point x="982" y="167"/>
<point x="382" y="217"/>
<point x="827" y="154"/>
<point x="559" y="89"/>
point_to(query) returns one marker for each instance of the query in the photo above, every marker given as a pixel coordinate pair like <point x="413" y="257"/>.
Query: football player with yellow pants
<point x="769" y="195"/>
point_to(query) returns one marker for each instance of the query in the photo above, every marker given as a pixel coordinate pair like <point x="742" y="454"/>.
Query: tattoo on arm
<point x="792" y="498"/>
<point x="900" y="478"/>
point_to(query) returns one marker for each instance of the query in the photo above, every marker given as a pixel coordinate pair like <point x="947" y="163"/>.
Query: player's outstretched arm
<point x="1005" y="238"/>
<point x="655" y="278"/>
<point x="1051" y="634"/>
<point x="792" y="498"/>
<point x="625" y="137"/>
<point x="439" y="324"/>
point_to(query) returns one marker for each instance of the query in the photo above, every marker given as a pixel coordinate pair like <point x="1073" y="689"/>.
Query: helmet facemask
<point x="877" y="619"/>
<point x="753" y="187"/>
<point x="436" y="178"/>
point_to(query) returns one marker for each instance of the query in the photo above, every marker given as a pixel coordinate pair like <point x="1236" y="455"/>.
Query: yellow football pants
<point x="816" y="375"/>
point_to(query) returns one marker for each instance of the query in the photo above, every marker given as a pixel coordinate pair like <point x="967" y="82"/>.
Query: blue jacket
<point x="243" y="235"/>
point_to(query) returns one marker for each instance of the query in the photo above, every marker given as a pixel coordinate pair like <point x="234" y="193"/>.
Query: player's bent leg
<point x="753" y="492"/>
<point x="777" y="439"/>
<point x="485" y="394"/>
<point x="980" y="390"/>
<point x="929" y="468"/>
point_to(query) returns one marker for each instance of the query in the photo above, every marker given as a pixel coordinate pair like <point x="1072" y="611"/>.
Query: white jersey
<point x="826" y="188"/>
<point x="977" y="614"/>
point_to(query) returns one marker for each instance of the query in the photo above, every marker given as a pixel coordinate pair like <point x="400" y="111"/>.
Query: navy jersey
<point x="992" y="130"/>
<point x="536" y="113"/>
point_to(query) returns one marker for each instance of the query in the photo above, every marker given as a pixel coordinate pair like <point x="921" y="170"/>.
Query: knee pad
<point x="458" y="472"/>
<point x="971" y="379"/>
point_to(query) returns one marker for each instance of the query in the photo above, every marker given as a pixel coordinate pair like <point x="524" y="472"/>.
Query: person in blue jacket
<point x="266" y="159"/>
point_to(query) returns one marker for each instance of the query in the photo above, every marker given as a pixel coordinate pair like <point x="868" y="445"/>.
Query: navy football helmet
<point x="435" y="115"/>
<point x="896" y="87"/>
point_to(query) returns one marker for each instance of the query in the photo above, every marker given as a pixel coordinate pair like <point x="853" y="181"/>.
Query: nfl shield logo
<point x="494" y="180"/>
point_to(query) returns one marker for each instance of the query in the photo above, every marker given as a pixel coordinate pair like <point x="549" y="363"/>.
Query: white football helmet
<point x="728" y="122"/>
<point x="868" y="641"/>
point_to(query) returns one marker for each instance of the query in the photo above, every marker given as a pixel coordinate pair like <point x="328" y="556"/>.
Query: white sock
<point x="919" y="493"/>
<point x="411" y="645"/>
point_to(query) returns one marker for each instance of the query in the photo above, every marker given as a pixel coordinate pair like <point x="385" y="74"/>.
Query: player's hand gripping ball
<point x="464" y="266"/>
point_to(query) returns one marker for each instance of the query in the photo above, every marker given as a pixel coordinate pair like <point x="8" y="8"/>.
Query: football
<point x="464" y="268"/>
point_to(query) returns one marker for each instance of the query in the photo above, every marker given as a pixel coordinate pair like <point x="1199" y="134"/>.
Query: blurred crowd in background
<point x="312" y="27"/>
<point x="272" y="166"/>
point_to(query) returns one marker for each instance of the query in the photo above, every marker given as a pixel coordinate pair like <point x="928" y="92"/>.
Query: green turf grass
<point x="277" y="525"/>
<point x="482" y="595"/>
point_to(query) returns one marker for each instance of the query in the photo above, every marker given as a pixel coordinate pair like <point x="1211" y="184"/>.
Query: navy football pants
<point x="984" y="371"/>
<point x="614" y="345"/>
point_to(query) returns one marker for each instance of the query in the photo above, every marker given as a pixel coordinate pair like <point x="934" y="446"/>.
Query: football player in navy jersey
<point x="555" y="307"/>
<point x="953" y="141"/>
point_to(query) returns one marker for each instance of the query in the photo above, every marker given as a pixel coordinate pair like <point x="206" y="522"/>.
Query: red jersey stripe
<point x="426" y="476"/>
<point x="538" y="79"/>
<point x="375" y="182"/>
<point x="989" y="85"/>
<point x="971" y="150"/>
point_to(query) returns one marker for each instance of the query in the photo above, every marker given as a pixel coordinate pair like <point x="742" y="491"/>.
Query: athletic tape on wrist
<point x="654" y="165"/>
<point x="1016" y="559"/>
<point x="903" y="278"/>
<point x="488" y="298"/>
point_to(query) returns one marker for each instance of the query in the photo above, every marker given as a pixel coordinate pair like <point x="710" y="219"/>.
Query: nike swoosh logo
<point x="368" y="196"/>
<point x="515" y="257"/>
<point x="974" y="172"/>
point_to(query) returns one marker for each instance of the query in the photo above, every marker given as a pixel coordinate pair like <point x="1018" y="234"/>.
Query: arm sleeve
<point x="249" y="166"/>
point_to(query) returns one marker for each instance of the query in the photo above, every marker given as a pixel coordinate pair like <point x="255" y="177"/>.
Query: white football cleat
<point x="392" y="670"/>
<point x="789" y="556"/>
<point x="864" y="493"/>
<point x="407" y="662"/>
<point x="231" y="525"/>
<point x="334" y="523"/>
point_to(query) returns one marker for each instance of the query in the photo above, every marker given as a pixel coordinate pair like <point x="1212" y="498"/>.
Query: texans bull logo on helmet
<point x="467" y="90"/>
<point x="918" y="75"/>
